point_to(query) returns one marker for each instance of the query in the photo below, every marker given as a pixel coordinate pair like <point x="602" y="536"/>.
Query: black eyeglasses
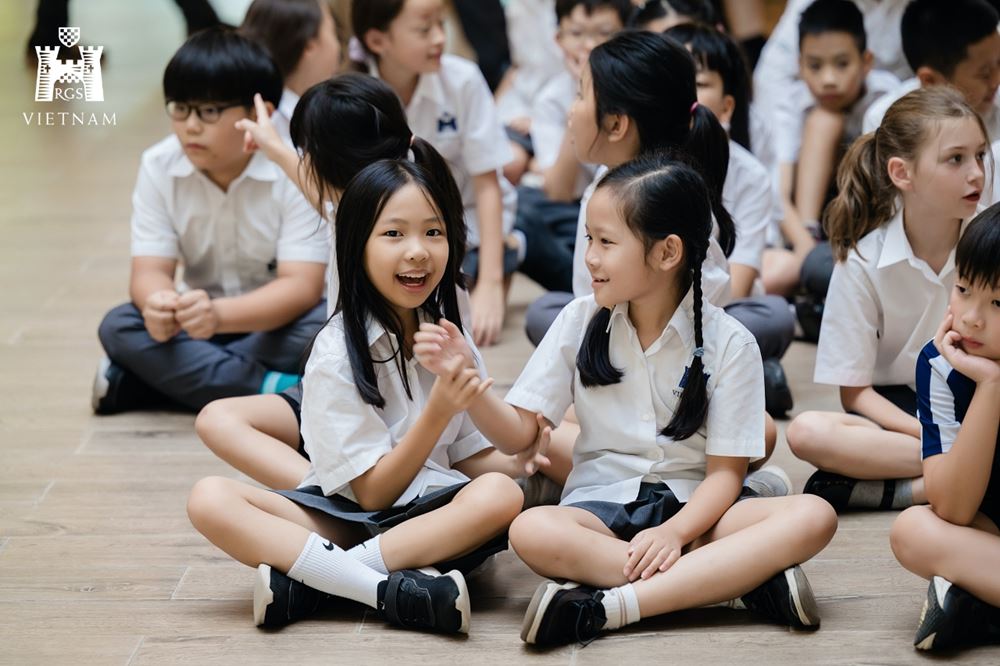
<point x="207" y="113"/>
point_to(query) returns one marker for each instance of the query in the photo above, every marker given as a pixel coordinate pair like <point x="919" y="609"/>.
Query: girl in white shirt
<point x="670" y="399"/>
<point x="904" y="192"/>
<point x="389" y="441"/>
<point x="449" y="104"/>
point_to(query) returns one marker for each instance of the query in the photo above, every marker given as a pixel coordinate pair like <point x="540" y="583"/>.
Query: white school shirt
<point x="715" y="283"/>
<point x="790" y="113"/>
<point x="549" y="119"/>
<point x="229" y="242"/>
<point x="282" y="116"/>
<point x="620" y="444"/>
<point x="883" y="304"/>
<point x="748" y="197"/>
<point x="531" y="33"/>
<point x="453" y="110"/>
<point x="874" y="115"/>
<point x="345" y="436"/>
<point x="779" y="60"/>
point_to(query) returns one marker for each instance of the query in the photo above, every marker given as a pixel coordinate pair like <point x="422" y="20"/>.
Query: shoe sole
<point x="462" y="601"/>
<point x="101" y="385"/>
<point x="932" y="607"/>
<point x="803" y="599"/>
<point x="536" y="608"/>
<point x="263" y="596"/>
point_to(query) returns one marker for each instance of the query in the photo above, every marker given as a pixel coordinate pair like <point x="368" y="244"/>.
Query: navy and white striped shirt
<point x="943" y="397"/>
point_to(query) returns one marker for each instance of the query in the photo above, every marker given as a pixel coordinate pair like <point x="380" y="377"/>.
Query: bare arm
<point x="866" y="401"/>
<point x="150" y="275"/>
<point x="821" y="135"/>
<point x="558" y="180"/>
<point x="741" y="279"/>
<point x="488" y="304"/>
<point x="792" y="228"/>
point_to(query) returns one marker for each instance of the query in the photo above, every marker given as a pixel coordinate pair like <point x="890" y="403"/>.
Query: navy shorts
<point x="376" y="522"/>
<point x="655" y="505"/>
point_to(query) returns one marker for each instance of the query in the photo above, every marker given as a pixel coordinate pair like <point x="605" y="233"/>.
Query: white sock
<point x="621" y="606"/>
<point x="369" y="553"/>
<point x="325" y="566"/>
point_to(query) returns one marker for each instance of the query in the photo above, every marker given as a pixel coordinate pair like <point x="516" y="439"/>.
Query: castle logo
<point x="86" y="72"/>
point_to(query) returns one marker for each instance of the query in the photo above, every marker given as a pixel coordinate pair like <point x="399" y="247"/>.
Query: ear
<point x="668" y="253"/>
<point x="867" y="61"/>
<point x="900" y="173"/>
<point x="616" y="126"/>
<point x="930" y="77"/>
<point x="376" y="41"/>
<point x="728" y="106"/>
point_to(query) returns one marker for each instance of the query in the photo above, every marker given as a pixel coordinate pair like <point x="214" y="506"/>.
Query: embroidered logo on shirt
<point x="684" y="379"/>
<point x="447" y="120"/>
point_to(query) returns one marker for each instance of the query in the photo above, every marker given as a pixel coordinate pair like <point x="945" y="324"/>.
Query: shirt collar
<point x="896" y="246"/>
<point x="288" y="102"/>
<point x="428" y="85"/>
<point x="259" y="167"/>
<point x="376" y="331"/>
<point x="681" y="321"/>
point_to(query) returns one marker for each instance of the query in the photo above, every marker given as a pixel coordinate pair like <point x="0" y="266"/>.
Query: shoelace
<point x="584" y="629"/>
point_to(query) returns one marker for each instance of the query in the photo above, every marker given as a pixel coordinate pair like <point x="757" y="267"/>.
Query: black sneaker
<point x="834" y="488"/>
<point x="415" y="600"/>
<point x="279" y="600"/>
<point x="777" y="396"/>
<point x="952" y="617"/>
<point x="117" y="390"/>
<point x="810" y="315"/>
<point x="786" y="598"/>
<point x="563" y="614"/>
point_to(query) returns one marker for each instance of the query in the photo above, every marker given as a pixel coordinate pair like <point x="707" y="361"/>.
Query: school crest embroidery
<point x="447" y="121"/>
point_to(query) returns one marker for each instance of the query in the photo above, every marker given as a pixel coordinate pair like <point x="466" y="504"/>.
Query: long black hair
<point x="659" y="196"/>
<point x="359" y="301"/>
<point x="715" y="51"/>
<point x="349" y="121"/>
<point x="651" y="79"/>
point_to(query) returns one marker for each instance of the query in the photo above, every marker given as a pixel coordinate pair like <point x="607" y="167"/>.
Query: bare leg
<point x="752" y="541"/>
<point x="258" y="435"/>
<point x="930" y="546"/>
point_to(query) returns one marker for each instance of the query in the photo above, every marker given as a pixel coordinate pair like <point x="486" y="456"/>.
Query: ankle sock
<point x="276" y="382"/>
<point x="325" y="566"/>
<point x="369" y="553"/>
<point x="868" y="494"/>
<point x="621" y="606"/>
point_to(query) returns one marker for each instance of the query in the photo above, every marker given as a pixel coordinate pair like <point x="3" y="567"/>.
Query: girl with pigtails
<point x="667" y="387"/>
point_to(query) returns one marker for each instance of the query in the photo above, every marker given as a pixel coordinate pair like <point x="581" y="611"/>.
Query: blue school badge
<point x="447" y="120"/>
<point x="684" y="380"/>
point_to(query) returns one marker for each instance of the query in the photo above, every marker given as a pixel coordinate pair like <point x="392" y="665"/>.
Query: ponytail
<point x="708" y="144"/>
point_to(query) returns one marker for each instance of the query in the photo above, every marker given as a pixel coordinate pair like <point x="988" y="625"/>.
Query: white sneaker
<point x="769" y="481"/>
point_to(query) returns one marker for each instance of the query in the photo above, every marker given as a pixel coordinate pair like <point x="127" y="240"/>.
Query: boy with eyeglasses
<point x="254" y="251"/>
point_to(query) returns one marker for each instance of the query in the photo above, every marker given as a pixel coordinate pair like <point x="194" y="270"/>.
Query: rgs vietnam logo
<point x="69" y="80"/>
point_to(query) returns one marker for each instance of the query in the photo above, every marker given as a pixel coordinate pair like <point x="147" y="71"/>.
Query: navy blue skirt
<point x="376" y="522"/>
<point x="655" y="505"/>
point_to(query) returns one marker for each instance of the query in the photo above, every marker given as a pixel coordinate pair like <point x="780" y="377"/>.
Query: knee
<point x="115" y="322"/>
<point x="499" y="498"/>
<point x="818" y="518"/>
<point x="913" y="532"/>
<point x="213" y="421"/>
<point x="207" y="500"/>
<point x="531" y="535"/>
<point x="805" y="435"/>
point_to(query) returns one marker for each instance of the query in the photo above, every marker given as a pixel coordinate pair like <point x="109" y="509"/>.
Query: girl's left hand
<point x="651" y="551"/>
<point x="976" y="368"/>
<point x="435" y="344"/>
<point x="487" y="312"/>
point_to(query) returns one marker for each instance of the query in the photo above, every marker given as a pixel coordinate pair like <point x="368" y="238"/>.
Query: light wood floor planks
<point x="98" y="562"/>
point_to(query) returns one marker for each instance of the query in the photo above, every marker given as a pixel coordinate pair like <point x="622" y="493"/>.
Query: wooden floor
<point x="98" y="563"/>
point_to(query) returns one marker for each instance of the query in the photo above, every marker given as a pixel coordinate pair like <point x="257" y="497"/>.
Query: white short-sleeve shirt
<point x="229" y="242"/>
<point x="748" y="197"/>
<point x="531" y="33"/>
<point x="791" y="110"/>
<point x="453" y="110"/>
<point x="620" y="444"/>
<point x="779" y="60"/>
<point x="715" y="282"/>
<point x="549" y="119"/>
<point x="874" y="115"/>
<point x="282" y="116"/>
<point x="345" y="436"/>
<point x="883" y="304"/>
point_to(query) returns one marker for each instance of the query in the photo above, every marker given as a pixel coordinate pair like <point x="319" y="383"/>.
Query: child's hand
<point x="435" y="344"/>
<point x="976" y="368"/>
<point x="487" y="312"/>
<point x="456" y="387"/>
<point x="196" y="314"/>
<point x="260" y="133"/>
<point x="652" y="551"/>
<point x="158" y="315"/>
<point x="533" y="457"/>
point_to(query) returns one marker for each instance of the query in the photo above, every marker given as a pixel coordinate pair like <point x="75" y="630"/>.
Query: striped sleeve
<point x="940" y="420"/>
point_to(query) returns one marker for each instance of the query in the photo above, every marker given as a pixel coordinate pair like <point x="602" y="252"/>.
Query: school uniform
<point x="778" y="66"/>
<point x="874" y="115"/>
<point x="549" y="227"/>
<point x="943" y="398"/>
<point x="531" y="32"/>
<point x="345" y="436"/>
<point x="883" y="304"/>
<point x="453" y="110"/>
<point x="749" y="198"/>
<point x="282" y="116"/>
<point x="229" y="243"/>
<point x="791" y="111"/>
<point x="620" y="446"/>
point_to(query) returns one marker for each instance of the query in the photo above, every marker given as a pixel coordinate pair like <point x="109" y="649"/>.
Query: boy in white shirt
<point x="254" y="251"/>
<point x="954" y="43"/>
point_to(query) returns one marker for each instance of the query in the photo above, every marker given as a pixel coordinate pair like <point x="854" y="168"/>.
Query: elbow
<point x="956" y="515"/>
